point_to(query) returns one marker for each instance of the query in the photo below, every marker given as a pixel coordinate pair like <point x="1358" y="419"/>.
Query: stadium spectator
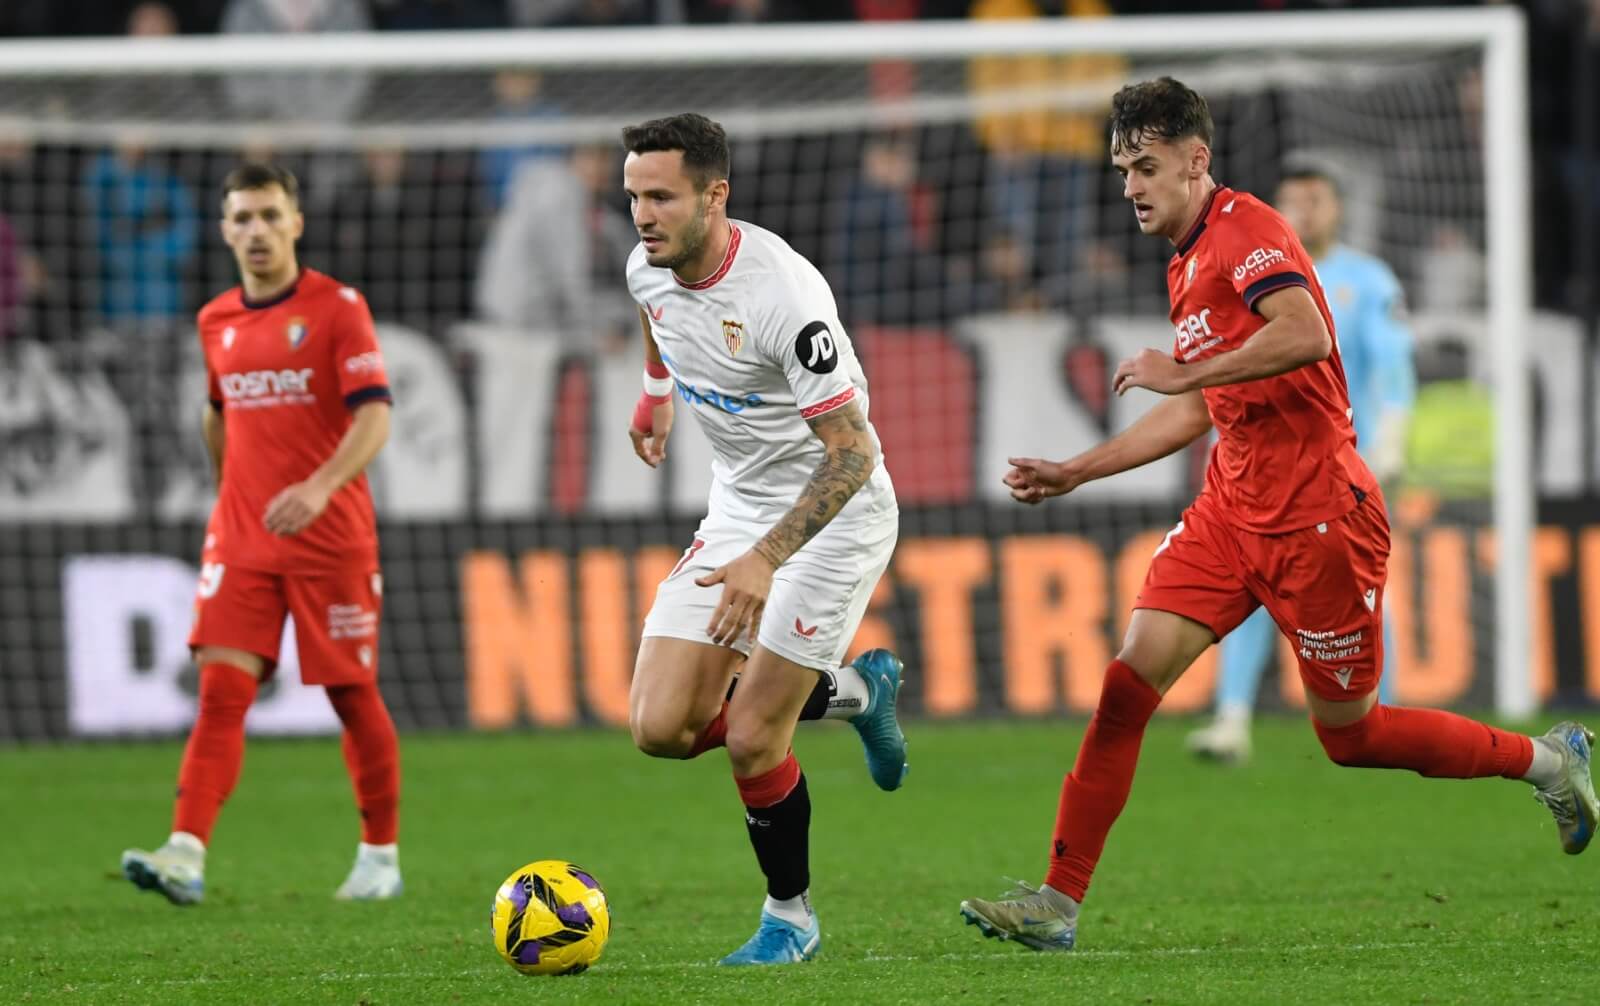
<point x="1568" y="35"/>
<point x="1005" y="282"/>
<point x="1044" y="165"/>
<point x="886" y="254"/>
<point x="146" y="231"/>
<point x="38" y="215"/>
<point x="402" y="228"/>
<point x="517" y="96"/>
<point x="1451" y="267"/>
<point x="332" y="95"/>
<point x="439" y="15"/>
<point x="581" y="13"/>
<point x="152" y="20"/>
<point x="376" y="222"/>
<point x="755" y="11"/>
<point x="10" y="282"/>
<point x="555" y="257"/>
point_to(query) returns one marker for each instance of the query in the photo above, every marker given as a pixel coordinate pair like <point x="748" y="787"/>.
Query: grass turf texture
<point x="1287" y="880"/>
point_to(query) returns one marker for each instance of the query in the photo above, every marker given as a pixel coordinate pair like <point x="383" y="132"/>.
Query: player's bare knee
<point x="250" y="663"/>
<point x="1160" y="646"/>
<point x="659" y="737"/>
<point x="1160" y="669"/>
<point x="753" y="743"/>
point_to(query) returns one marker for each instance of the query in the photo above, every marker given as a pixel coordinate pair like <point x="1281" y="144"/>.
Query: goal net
<point x="952" y="183"/>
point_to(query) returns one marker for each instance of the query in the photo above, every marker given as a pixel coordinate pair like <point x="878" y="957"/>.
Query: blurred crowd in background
<point x="93" y="17"/>
<point x="918" y="226"/>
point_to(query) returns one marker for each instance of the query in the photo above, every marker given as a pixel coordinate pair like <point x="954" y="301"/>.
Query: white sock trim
<point x="187" y="842"/>
<point x="796" y="910"/>
<point x="1234" y="714"/>
<point x="850" y="694"/>
<point x="1545" y="769"/>
<point x="1064" y="903"/>
<point x="390" y="851"/>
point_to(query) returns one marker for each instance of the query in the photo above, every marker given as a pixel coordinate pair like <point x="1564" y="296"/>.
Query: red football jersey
<point x="1285" y="456"/>
<point x="286" y="374"/>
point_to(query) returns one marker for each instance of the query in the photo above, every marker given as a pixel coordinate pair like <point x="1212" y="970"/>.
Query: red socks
<point x="714" y="735"/>
<point x="1427" y="741"/>
<point x="1094" y="794"/>
<point x="1430" y="742"/>
<point x="372" y="754"/>
<point x="772" y="786"/>
<point x="215" y="752"/>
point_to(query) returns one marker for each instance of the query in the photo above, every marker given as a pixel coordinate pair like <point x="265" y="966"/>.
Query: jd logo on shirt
<point x="814" y="348"/>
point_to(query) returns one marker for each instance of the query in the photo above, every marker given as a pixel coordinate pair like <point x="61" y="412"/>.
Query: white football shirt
<point x="755" y="350"/>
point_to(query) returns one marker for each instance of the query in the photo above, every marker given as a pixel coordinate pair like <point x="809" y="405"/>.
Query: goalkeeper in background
<point x="1375" y="343"/>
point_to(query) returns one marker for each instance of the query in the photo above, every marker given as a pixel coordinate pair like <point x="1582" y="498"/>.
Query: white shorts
<point x="818" y="597"/>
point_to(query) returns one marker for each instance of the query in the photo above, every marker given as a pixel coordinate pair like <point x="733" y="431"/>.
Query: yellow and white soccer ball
<point x="550" y="918"/>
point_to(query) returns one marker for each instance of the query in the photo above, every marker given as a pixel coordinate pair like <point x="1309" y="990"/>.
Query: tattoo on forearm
<point x="835" y="480"/>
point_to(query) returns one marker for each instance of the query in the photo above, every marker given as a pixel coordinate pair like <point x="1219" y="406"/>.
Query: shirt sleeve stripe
<point x="376" y="393"/>
<point x="827" y="404"/>
<point x="1261" y="287"/>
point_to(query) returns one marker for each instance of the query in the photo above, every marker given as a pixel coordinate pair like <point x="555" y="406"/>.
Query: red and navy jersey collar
<point x="1199" y="226"/>
<point x="275" y="299"/>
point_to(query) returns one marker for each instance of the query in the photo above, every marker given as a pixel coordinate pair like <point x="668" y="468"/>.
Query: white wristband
<point x="657" y="387"/>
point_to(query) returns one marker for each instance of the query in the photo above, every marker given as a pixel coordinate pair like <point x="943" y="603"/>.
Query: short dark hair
<point x="1303" y="171"/>
<point x="703" y="142"/>
<point x="1160" y="109"/>
<point x="260" y="175"/>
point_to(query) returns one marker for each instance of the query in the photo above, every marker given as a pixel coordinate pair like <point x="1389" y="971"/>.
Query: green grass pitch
<point x="1289" y="880"/>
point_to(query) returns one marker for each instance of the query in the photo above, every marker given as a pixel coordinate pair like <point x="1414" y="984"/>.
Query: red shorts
<point x="335" y="614"/>
<point x="1323" y="585"/>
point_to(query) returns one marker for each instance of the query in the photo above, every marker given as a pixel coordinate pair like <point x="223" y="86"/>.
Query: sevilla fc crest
<point x="733" y="335"/>
<point x="296" y="332"/>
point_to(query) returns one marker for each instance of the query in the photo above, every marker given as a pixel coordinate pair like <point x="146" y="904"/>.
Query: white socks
<point x="1545" y="769"/>
<point x="850" y="695"/>
<point x="182" y="841"/>
<point x="388" y="854"/>
<point x="1234" y="715"/>
<point x="796" y="911"/>
<point x="1062" y="903"/>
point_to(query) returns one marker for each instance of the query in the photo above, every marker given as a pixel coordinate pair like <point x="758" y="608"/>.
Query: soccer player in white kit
<point x="801" y="522"/>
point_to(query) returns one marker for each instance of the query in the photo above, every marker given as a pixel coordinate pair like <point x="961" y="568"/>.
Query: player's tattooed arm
<point x="844" y="469"/>
<point x="747" y="580"/>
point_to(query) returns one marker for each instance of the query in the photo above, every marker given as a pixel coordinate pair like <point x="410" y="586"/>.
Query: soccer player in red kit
<point x="1289" y="518"/>
<point x="299" y="405"/>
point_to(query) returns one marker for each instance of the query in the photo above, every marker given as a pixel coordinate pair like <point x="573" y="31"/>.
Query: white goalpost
<point x="947" y="177"/>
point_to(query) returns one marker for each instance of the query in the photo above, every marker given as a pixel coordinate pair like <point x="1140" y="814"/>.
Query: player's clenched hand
<point x="1151" y="369"/>
<point x="293" y="509"/>
<point x="745" y="584"/>
<point x="1034" y="479"/>
<point x="651" y="444"/>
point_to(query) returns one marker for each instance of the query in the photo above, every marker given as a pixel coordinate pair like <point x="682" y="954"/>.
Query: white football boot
<point x="1571" y="798"/>
<point x="1039" y="918"/>
<point x="177" y="870"/>
<point x="1226" y="739"/>
<point x="374" y="877"/>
